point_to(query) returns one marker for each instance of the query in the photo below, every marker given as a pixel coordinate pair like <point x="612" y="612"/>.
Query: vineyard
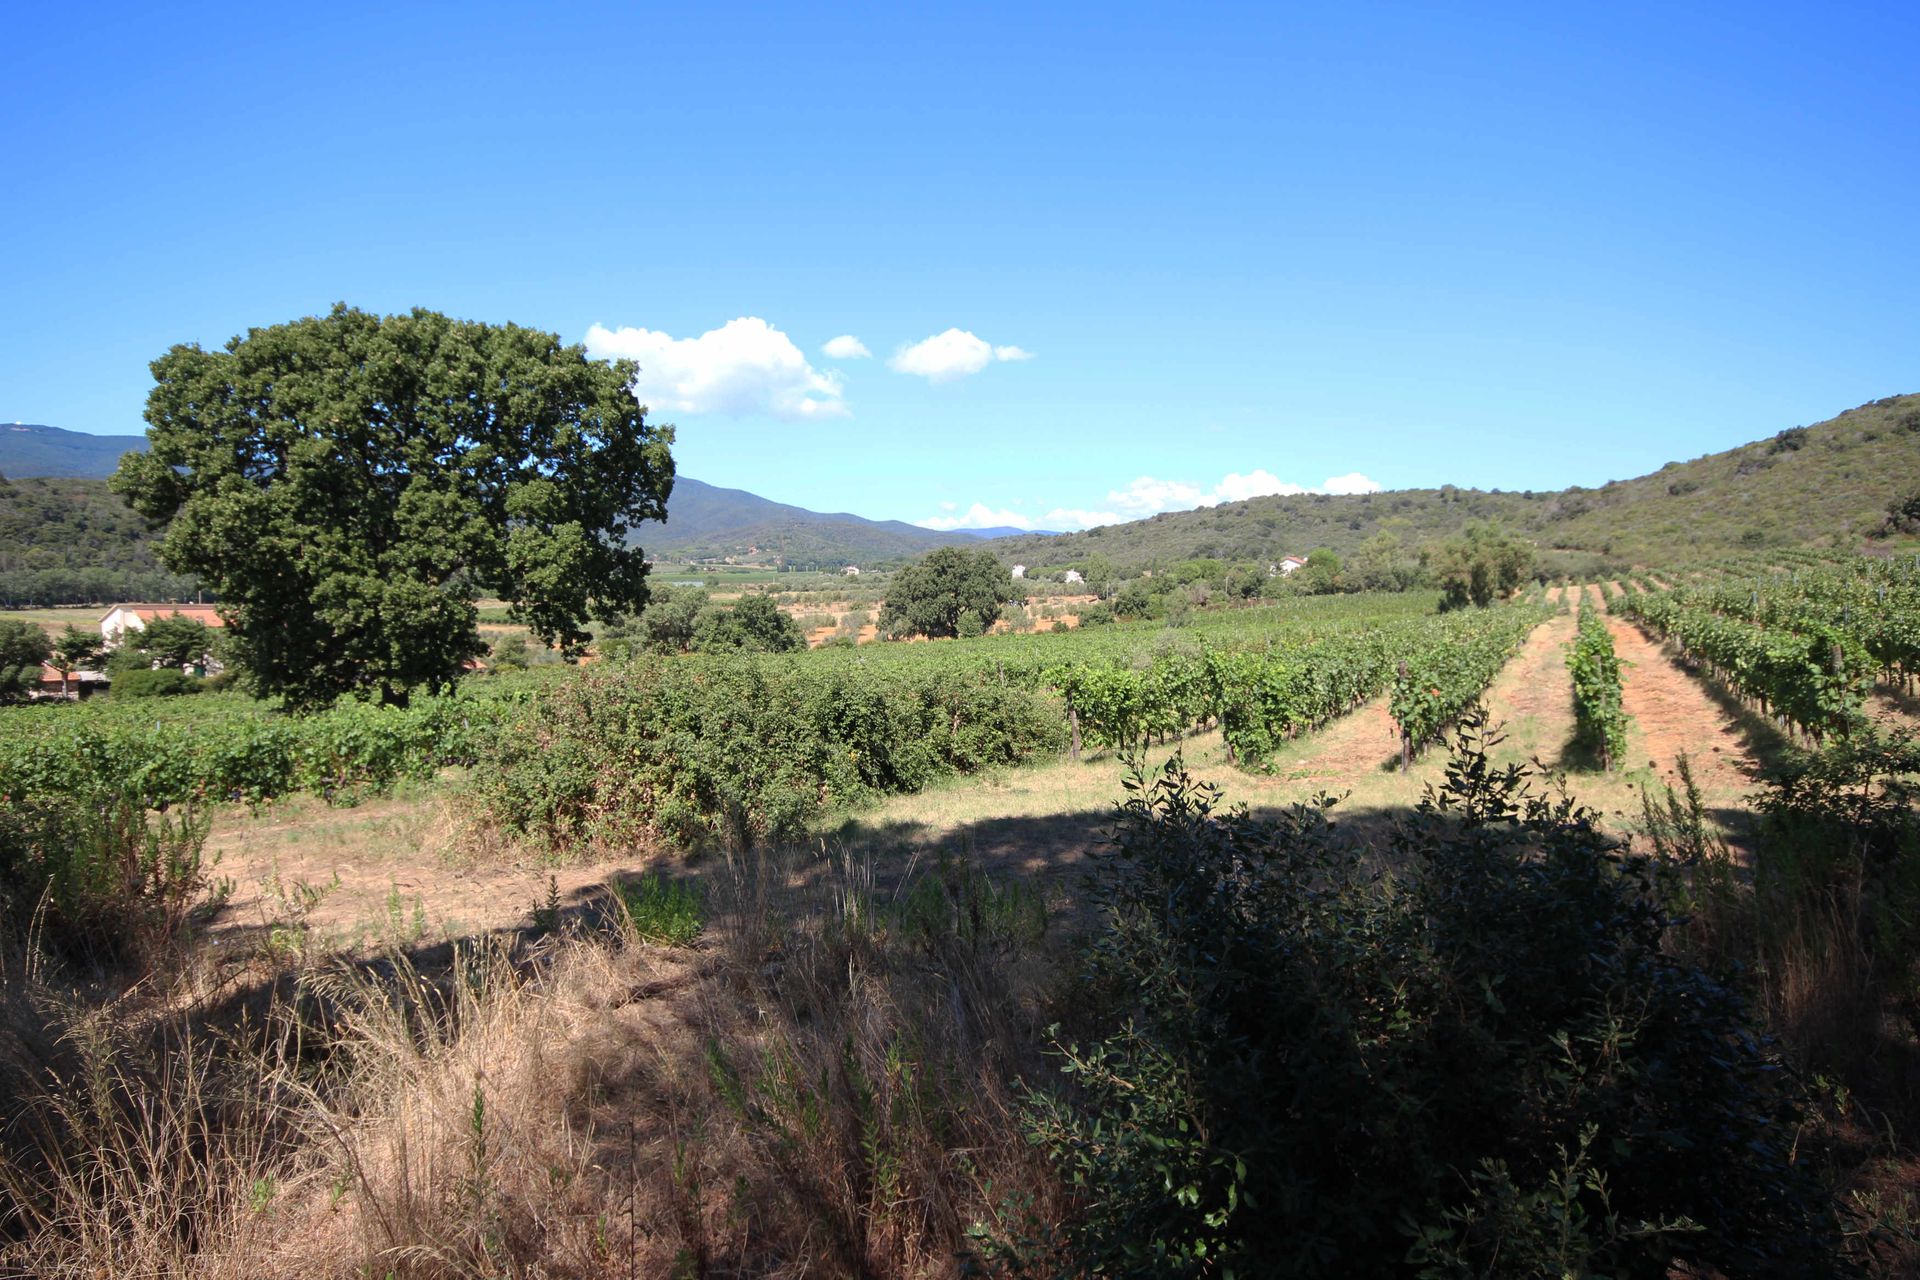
<point x="1804" y="646"/>
<point x="1600" y="717"/>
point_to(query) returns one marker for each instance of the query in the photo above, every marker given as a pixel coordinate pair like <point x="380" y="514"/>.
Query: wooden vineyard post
<point x="1073" y="719"/>
<point x="1406" y="737"/>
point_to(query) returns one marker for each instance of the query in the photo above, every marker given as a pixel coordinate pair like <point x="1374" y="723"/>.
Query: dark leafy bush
<point x="739" y="747"/>
<point x="1482" y="1063"/>
<point x="146" y="682"/>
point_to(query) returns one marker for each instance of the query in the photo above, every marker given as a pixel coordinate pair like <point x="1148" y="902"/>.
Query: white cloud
<point x="977" y="516"/>
<point x="1148" y="496"/>
<point x="1352" y="482"/>
<point x="981" y="516"/>
<point x="1235" y="487"/>
<point x="953" y="354"/>
<point x="845" y="347"/>
<point x="745" y="366"/>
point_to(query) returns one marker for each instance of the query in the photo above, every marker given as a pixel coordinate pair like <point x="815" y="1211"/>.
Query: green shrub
<point x="1485" y="1063"/>
<point x="665" y="911"/>
<point x="738" y="747"/>
<point x="99" y="877"/>
<point x="147" y="682"/>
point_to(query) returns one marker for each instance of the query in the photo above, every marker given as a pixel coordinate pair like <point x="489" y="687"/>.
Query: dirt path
<point x="1532" y="697"/>
<point x="1358" y="743"/>
<point x="1674" y="713"/>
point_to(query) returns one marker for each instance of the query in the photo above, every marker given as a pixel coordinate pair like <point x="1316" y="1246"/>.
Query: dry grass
<point x="821" y="1086"/>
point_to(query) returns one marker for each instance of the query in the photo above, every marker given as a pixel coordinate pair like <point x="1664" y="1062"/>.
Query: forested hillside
<point x="74" y="542"/>
<point x="1823" y="485"/>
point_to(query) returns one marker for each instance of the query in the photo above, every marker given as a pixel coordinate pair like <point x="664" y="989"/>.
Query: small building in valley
<point x="1019" y="571"/>
<point x="851" y="571"/>
<point x="1288" y="565"/>
<point x="1073" y="575"/>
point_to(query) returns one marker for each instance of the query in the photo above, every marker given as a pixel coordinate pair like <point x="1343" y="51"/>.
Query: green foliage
<point x="105" y="878"/>
<point x="76" y="650"/>
<point x="753" y="625"/>
<point x="663" y="911"/>
<point x="1804" y="664"/>
<point x="23" y="647"/>
<point x="929" y="597"/>
<point x="349" y="483"/>
<point x="737" y="747"/>
<point x="1600" y="720"/>
<point x="509" y="653"/>
<point x="173" y="640"/>
<point x="1322" y="574"/>
<point x="223" y="747"/>
<point x="1438" y="682"/>
<point x="74" y="542"/>
<point x="668" y="622"/>
<point x="154" y="682"/>
<point x="1485" y="563"/>
<point x="1484" y="1064"/>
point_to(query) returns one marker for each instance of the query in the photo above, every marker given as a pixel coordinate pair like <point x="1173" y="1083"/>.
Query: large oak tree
<point x="350" y="484"/>
<point x="932" y="595"/>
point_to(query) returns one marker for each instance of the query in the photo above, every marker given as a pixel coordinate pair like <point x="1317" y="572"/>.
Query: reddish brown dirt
<point x="1534" y="686"/>
<point x="1672" y="712"/>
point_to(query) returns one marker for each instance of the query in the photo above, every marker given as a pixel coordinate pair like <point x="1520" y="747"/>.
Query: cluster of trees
<point x="688" y="620"/>
<point x="51" y="588"/>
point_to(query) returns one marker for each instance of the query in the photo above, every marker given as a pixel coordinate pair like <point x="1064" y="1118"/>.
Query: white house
<point x="1291" y="563"/>
<point x="1073" y="575"/>
<point x="851" y="571"/>
<point x="1019" y="571"/>
<point x="123" y="618"/>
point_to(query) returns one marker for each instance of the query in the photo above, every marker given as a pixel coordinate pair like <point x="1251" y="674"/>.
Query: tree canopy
<point x="1480" y="566"/>
<point x="350" y="484"/>
<point x="23" y="647"/>
<point x="930" y="596"/>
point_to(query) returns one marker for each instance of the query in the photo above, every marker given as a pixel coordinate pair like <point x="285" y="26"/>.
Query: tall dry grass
<point x="822" y="1085"/>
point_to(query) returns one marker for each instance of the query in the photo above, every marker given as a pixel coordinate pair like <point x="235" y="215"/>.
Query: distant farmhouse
<point x="1073" y="575"/>
<point x="1019" y="571"/>
<point x="851" y="571"/>
<point x="1288" y="565"/>
<point x="123" y="618"/>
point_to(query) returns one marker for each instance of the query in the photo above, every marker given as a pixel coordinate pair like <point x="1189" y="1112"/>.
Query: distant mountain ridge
<point x="1827" y="484"/>
<point x="703" y="520"/>
<point x="29" y="450"/>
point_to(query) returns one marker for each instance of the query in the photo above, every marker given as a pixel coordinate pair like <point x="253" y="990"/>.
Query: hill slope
<point x="1823" y="485"/>
<point x="28" y="449"/>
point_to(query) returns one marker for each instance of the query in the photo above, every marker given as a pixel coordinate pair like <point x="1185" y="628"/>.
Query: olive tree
<point x="351" y="484"/>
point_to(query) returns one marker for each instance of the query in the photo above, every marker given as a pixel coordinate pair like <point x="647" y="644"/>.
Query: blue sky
<point x="1243" y="247"/>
